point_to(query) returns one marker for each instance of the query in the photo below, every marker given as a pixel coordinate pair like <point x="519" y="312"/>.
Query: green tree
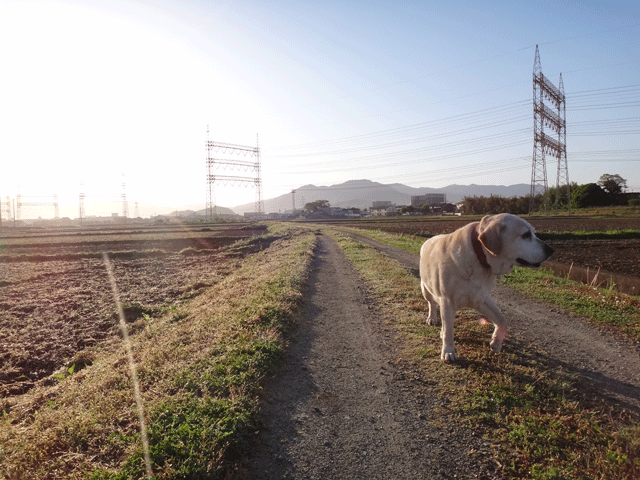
<point x="317" y="205"/>
<point x="612" y="184"/>
<point x="559" y="196"/>
<point x="589" y="195"/>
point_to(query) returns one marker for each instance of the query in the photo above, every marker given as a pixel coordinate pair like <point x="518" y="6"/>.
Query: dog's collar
<point x="477" y="247"/>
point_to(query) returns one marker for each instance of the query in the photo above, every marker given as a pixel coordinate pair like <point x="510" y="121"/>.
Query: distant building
<point x="444" y="209"/>
<point x="430" y="199"/>
<point x="254" y="216"/>
<point x="378" y="205"/>
<point x="388" y="211"/>
<point x="626" y="196"/>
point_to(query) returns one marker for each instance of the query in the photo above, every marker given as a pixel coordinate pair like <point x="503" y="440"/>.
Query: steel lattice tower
<point x="81" y="203"/>
<point x="247" y="165"/>
<point x="39" y="203"/>
<point x="125" y="205"/>
<point x="5" y="209"/>
<point x="258" y="181"/>
<point x="553" y="119"/>
<point x="563" y="168"/>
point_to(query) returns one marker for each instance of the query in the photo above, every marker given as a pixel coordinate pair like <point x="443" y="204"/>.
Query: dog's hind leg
<point x="432" y="318"/>
<point x="448" y="314"/>
<point x="490" y="310"/>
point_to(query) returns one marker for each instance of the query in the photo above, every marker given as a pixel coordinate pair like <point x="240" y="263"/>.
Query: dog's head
<point x="511" y="241"/>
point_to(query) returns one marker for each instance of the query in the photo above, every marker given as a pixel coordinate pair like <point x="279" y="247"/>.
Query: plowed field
<point x="55" y="296"/>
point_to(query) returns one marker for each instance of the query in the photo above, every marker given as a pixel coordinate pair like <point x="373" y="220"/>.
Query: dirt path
<point x="341" y="407"/>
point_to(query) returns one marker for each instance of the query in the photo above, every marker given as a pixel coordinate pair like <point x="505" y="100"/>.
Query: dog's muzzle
<point x="523" y="263"/>
<point x="547" y="250"/>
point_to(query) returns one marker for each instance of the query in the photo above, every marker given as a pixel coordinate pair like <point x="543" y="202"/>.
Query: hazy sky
<point x="421" y="93"/>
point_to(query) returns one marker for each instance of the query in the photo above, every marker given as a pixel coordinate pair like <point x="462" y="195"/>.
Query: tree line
<point x="607" y="191"/>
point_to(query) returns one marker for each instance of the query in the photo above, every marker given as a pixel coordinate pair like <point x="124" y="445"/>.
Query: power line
<point x="461" y="119"/>
<point x="466" y="64"/>
<point x="422" y="143"/>
<point x="585" y="128"/>
<point x="467" y="120"/>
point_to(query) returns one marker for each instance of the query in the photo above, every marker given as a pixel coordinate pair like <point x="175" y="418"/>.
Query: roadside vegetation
<point x="199" y="364"/>
<point x="602" y="306"/>
<point x="632" y="210"/>
<point x="584" y="235"/>
<point x="543" y="421"/>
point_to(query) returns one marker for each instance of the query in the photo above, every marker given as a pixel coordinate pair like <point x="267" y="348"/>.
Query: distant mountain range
<point x="362" y="193"/>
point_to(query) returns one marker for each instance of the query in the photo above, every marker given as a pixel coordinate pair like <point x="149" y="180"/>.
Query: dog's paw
<point x="433" y="320"/>
<point x="497" y="338"/>
<point x="496" y="345"/>
<point x="449" y="355"/>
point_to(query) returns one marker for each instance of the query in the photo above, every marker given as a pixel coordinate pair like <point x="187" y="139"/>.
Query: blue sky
<point x="421" y="93"/>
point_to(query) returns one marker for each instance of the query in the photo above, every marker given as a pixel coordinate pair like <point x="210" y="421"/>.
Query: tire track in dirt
<point x="609" y="364"/>
<point x="342" y="408"/>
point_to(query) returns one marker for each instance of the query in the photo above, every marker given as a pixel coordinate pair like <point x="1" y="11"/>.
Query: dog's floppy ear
<point x="490" y="234"/>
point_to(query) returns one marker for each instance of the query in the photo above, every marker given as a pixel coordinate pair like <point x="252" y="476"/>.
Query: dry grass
<point x="199" y="366"/>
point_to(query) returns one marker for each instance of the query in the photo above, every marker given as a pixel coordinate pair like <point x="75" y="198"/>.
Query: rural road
<point x="341" y="407"/>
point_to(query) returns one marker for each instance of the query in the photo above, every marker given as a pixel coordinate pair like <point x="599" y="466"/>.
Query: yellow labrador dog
<point x="459" y="269"/>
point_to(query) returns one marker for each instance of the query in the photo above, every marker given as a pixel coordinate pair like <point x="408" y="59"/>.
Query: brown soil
<point x="618" y="256"/>
<point x="50" y="309"/>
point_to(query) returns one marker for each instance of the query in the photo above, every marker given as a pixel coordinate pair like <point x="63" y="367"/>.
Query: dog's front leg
<point x="448" y="314"/>
<point x="490" y="310"/>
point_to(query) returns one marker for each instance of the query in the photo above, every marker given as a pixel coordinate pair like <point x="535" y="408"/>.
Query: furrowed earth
<point x="55" y="297"/>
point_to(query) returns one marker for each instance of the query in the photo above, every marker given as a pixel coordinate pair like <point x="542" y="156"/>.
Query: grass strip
<point x="601" y="306"/>
<point x="410" y="243"/>
<point x="543" y="421"/>
<point x="585" y="235"/>
<point x="200" y="369"/>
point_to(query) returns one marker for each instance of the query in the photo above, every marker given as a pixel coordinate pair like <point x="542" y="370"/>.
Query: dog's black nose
<point x="548" y="250"/>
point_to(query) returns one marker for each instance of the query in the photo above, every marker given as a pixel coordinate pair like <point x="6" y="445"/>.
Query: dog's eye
<point x="526" y="235"/>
